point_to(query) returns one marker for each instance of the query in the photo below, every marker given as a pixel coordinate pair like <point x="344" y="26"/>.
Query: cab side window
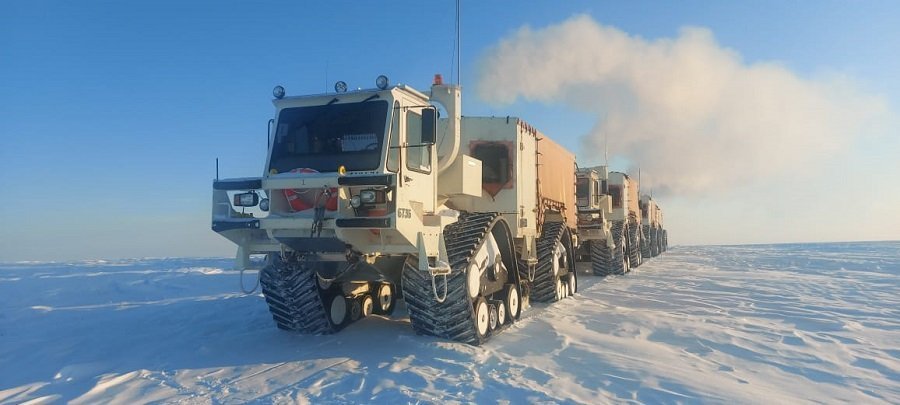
<point x="418" y="155"/>
<point x="393" y="153"/>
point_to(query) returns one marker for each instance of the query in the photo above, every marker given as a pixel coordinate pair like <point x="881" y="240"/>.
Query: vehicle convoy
<point x="652" y="228"/>
<point x="610" y="219"/>
<point x="368" y="196"/>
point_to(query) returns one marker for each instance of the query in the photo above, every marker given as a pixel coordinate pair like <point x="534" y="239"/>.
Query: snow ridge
<point x="747" y="324"/>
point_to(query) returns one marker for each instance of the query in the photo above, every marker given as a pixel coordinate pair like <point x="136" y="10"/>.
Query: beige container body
<point x="629" y="190"/>
<point x="527" y="181"/>
<point x="653" y="215"/>
<point x="556" y="178"/>
<point x="634" y="202"/>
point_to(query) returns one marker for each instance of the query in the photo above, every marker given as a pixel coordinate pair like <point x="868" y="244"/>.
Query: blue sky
<point x="112" y="113"/>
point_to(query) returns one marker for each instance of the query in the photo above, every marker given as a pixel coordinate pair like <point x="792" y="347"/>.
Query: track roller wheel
<point x="482" y="317"/>
<point x="367" y="304"/>
<point x="495" y="317"/>
<point x="337" y="310"/>
<point x="385" y="300"/>
<point x="501" y="311"/>
<point x="512" y="301"/>
<point x="572" y="284"/>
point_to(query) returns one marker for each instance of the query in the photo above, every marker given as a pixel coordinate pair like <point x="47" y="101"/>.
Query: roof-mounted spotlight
<point x="381" y="82"/>
<point x="278" y="92"/>
<point x="340" y="87"/>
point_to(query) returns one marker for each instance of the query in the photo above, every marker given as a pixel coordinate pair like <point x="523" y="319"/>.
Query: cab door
<point x="418" y="171"/>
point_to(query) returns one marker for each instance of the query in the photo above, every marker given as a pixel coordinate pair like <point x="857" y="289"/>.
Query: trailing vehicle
<point x="368" y="196"/>
<point x="625" y="223"/>
<point x="653" y="241"/>
<point x="596" y="242"/>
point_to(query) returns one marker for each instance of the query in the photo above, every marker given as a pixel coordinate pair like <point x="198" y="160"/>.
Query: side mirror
<point x="429" y="125"/>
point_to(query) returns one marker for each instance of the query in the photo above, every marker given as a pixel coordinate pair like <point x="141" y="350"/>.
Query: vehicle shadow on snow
<point x="170" y="324"/>
<point x="84" y="331"/>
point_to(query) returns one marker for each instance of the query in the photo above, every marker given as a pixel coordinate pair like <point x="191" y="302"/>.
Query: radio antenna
<point x="458" y="48"/>
<point x="605" y="145"/>
<point x="606" y="150"/>
<point x="454" y="58"/>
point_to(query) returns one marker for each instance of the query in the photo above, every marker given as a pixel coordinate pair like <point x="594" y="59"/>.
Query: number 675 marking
<point x="404" y="213"/>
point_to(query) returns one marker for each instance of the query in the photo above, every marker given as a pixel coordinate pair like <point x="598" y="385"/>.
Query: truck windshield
<point x="325" y="137"/>
<point x="616" y="193"/>
<point x="582" y="189"/>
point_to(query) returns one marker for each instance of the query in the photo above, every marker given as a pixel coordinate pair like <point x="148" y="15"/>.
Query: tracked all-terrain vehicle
<point x="625" y="228"/>
<point x="368" y="196"/>
<point x="653" y="241"/>
<point x="595" y="237"/>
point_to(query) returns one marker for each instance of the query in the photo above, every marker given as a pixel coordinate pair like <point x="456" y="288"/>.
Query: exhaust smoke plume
<point x="689" y="112"/>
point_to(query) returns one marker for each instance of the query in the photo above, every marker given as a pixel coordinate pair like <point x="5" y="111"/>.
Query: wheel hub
<point x="513" y="300"/>
<point x="473" y="281"/>
<point x="482" y="318"/>
<point x="367" y="305"/>
<point x="384" y="296"/>
<point x="338" y="309"/>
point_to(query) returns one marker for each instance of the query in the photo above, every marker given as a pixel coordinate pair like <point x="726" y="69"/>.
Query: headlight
<point x="367" y="196"/>
<point x="264" y="204"/>
<point x="381" y="82"/>
<point x="246" y="199"/>
<point x="355" y="201"/>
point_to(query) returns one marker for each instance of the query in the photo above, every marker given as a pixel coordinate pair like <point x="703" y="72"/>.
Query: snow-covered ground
<point x="761" y="324"/>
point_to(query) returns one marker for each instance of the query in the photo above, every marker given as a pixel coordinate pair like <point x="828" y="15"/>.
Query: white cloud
<point x="692" y="114"/>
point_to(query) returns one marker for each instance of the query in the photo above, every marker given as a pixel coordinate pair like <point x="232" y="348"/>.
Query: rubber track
<point x="617" y="265"/>
<point x="293" y="298"/>
<point x="601" y="258"/>
<point x="543" y="289"/>
<point x="453" y="319"/>
<point x="647" y="242"/>
<point x="655" y="243"/>
<point x="635" y="245"/>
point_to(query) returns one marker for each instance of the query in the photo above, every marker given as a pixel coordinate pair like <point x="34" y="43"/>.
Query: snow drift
<point x="776" y="323"/>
